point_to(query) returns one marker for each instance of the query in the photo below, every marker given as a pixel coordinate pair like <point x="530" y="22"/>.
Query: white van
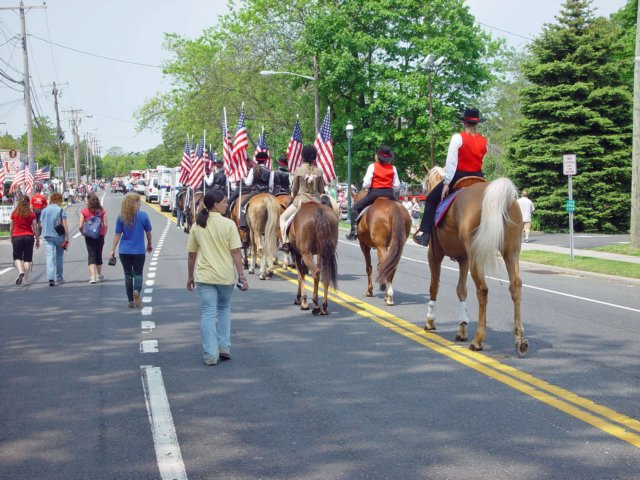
<point x="151" y="193"/>
<point x="166" y="182"/>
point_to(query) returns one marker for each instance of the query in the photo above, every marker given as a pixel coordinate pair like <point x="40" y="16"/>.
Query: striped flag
<point x="324" y="146"/>
<point x="262" y="147"/>
<point x="28" y="178"/>
<point x="43" y="173"/>
<point x="294" y="150"/>
<point x="227" y="149"/>
<point x="185" y="164"/>
<point x="239" y="152"/>
<point x="18" y="179"/>
<point x="197" y="167"/>
<point x="1" y="176"/>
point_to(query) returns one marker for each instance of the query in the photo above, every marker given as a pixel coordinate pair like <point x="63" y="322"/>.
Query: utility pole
<point x="60" y="136"/>
<point x="75" y="122"/>
<point x="635" y="157"/>
<point x="25" y="82"/>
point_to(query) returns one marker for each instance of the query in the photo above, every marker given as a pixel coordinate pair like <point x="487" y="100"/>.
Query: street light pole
<point x="431" y="64"/>
<point x="349" y="130"/>
<point x="316" y="99"/>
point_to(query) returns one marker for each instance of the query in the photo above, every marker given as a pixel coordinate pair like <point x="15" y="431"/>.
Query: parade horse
<point x="263" y="214"/>
<point x="283" y="202"/>
<point x="188" y="202"/>
<point x="314" y="231"/>
<point x="385" y="226"/>
<point x="484" y="219"/>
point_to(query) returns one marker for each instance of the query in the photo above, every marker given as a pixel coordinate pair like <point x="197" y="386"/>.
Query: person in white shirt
<point x="527" y="209"/>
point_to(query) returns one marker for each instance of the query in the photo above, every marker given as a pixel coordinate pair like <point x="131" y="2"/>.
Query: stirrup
<point x="351" y="236"/>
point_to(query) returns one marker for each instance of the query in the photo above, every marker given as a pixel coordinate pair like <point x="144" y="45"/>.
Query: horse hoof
<point x="368" y="294"/>
<point x="302" y="307"/>
<point x="475" y="348"/>
<point x="522" y="346"/>
<point x="251" y="271"/>
<point x="324" y="311"/>
<point x="262" y="277"/>
<point x="296" y="301"/>
<point x="460" y="338"/>
<point x="383" y="287"/>
<point x="270" y="274"/>
<point x="389" y="303"/>
<point x="430" y="326"/>
<point x="315" y="310"/>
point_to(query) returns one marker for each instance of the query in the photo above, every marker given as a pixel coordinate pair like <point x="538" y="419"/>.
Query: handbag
<point x="58" y="226"/>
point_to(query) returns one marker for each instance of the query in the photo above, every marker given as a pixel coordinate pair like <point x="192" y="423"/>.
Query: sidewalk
<point x="581" y="253"/>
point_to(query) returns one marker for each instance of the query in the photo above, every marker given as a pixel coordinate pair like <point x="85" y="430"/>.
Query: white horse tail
<point x="488" y="239"/>
<point x="271" y="227"/>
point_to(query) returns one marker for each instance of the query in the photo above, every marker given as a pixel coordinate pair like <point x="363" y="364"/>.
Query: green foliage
<point x="579" y="102"/>
<point x="7" y="142"/>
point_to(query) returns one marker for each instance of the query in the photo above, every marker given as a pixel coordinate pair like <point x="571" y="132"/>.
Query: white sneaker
<point x="92" y="280"/>
<point x="209" y="361"/>
<point x="100" y="278"/>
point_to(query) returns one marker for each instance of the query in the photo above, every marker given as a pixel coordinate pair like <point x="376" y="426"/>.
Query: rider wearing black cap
<point x="381" y="179"/>
<point x="282" y="178"/>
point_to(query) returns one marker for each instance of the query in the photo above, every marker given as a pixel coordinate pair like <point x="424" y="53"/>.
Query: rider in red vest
<point x="466" y="153"/>
<point x="382" y="181"/>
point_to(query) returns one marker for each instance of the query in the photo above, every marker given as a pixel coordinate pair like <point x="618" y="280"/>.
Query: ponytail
<point x="210" y="199"/>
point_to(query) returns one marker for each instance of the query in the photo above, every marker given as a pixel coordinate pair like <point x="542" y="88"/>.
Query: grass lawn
<point x="586" y="264"/>
<point x="5" y="234"/>
<point x="620" y="249"/>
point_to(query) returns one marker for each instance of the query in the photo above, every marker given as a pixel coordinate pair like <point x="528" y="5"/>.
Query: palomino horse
<point x="263" y="214"/>
<point x="484" y="219"/>
<point x="314" y="231"/>
<point x="385" y="226"/>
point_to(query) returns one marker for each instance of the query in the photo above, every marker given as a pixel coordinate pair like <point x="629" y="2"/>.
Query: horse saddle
<point x="444" y="205"/>
<point x="361" y="214"/>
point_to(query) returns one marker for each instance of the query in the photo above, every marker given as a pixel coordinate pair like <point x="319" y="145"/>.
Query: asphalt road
<point x="361" y="393"/>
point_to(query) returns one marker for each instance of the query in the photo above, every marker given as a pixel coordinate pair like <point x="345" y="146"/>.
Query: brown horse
<point x="483" y="220"/>
<point x="189" y="202"/>
<point x="283" y="203"/>
<point x="234" y="215"/>
<point x="314" y="231"/>
<point x="385" y="226"/>
<point x="263" y="213"/>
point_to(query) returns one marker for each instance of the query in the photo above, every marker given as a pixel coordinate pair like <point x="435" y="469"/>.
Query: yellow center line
<point x="557" y="397"/>
<point x="169" y="215"/>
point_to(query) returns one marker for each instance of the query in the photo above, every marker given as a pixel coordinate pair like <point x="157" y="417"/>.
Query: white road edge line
<point x="165" y="439"/>
<point x="2" y="272"/>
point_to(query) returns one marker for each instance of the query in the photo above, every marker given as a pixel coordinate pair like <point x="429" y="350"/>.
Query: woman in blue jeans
<point x="214" y="253"/>
<point x="54" y="242"/>
<point x="132" y="226"/>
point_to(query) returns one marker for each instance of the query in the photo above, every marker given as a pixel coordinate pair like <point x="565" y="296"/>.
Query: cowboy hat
<point x="472" y="115"/>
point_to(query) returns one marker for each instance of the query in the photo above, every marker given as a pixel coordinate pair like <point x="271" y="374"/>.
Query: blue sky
<point x="109" y="91"/>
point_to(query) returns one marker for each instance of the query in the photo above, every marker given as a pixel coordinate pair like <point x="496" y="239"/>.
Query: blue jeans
<point x="215" y="321"/>
<point x="179" y="219"/>
<point x="54" y="253"/>
<point x="133" y="266"/>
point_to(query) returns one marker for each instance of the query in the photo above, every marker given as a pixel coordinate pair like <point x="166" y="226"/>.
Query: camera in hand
<point x="112" y="261"/>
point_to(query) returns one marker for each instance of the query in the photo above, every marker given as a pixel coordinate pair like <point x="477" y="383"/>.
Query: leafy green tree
<point x="578" y="102"/>
<point x="7" y="142"/>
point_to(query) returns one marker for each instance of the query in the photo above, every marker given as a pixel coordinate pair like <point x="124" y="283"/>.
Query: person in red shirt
<point x="464" y="159"/>
<point x="382" y="181"/>
<point x="23" y="227"/>
<point x="38" y="202"/>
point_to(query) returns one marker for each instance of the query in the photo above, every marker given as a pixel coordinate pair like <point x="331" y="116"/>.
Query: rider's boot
<point x="352" y="235"/>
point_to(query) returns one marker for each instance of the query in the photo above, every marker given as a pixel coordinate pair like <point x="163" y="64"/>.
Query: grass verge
<point x="619" y="249"/>
<point x="585" y="264"/>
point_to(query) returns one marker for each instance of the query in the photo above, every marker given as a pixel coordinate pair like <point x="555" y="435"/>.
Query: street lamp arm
<point x="272" y="72"/>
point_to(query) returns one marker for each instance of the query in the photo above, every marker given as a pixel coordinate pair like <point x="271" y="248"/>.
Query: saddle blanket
<point x="444" y="205"/>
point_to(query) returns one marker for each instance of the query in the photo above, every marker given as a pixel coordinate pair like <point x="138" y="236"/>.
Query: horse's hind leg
<point x="316" y="304"/>
<point x="461" y="290"/>
<point x="482" y="292"/>
<point x="301" y="297"/>
<point x="435" y="266"/>
<point x="366" y="251"/>
<point x="325" y="303"/>
<point x="515" y="288"/>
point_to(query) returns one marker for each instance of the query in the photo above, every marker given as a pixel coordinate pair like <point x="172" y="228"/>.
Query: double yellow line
<point x="604" y="418"/>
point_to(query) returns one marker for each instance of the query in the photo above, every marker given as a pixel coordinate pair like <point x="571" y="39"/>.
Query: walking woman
<point x="214" y="253"/>
<point x="94" y="244"/>
<point x="132" y="226"/>
<point x="55" y="231"/>
<point x="23" y="236"/>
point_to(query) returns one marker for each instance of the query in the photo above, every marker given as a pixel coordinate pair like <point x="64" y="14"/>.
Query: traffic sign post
<point x="570" y="168"/>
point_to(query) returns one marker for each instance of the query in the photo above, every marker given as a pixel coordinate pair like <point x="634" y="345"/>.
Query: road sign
<point x="570" y="206"/>
<point x="569" y="164"/>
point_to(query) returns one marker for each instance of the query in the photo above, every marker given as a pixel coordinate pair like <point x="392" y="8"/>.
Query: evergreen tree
<point x="578" y="102"/>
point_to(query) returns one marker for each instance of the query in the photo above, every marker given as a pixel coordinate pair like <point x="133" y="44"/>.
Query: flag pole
<point x="204" y="146"/>
<point x="224" y="140"/>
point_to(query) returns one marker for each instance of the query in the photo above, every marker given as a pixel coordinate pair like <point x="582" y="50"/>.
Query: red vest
<point x="471" y="153"/>
<point x="382" y="175"/>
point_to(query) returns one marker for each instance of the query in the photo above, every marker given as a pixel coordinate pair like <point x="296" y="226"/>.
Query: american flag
<point x="197" y="167"/>
<point x="1" y="176"/>
<point x="227" y="149"/>
<point x="262" y="146"/>
<point x="18" y="179"/>
<point x="28" y="179"/>
<point x="324" y="146"/>
<point x="185" y="163"/>
<point x="239" y="152"/>
<point x="208" y="160"/>
<point x="294" y="150"/>
<point x="43" y="173"/>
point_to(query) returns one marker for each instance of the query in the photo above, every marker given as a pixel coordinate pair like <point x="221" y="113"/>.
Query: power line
<point x="504" y="31"/>
<point x="95" y="54"/>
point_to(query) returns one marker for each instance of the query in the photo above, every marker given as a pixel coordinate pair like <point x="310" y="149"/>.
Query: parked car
<point x="140" y="187"/>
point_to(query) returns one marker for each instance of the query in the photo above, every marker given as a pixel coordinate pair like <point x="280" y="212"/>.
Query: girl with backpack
<point x="93" y="226"/>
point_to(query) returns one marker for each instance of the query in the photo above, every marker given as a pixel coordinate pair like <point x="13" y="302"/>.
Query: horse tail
<point x="396" y="245"/>
<point x="271" y="226"/>
<point x="489" y="236"/>
<point x="326" y="247"/>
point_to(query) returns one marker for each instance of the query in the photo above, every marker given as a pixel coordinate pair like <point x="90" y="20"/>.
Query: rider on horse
<point x="307" y="186"/>
<point x="466" y="153"/>
<point x="259" y="179"/>
<point x="381" y="179"/>
<point x="282" y="178"/>
<point x="218" y="181"/>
